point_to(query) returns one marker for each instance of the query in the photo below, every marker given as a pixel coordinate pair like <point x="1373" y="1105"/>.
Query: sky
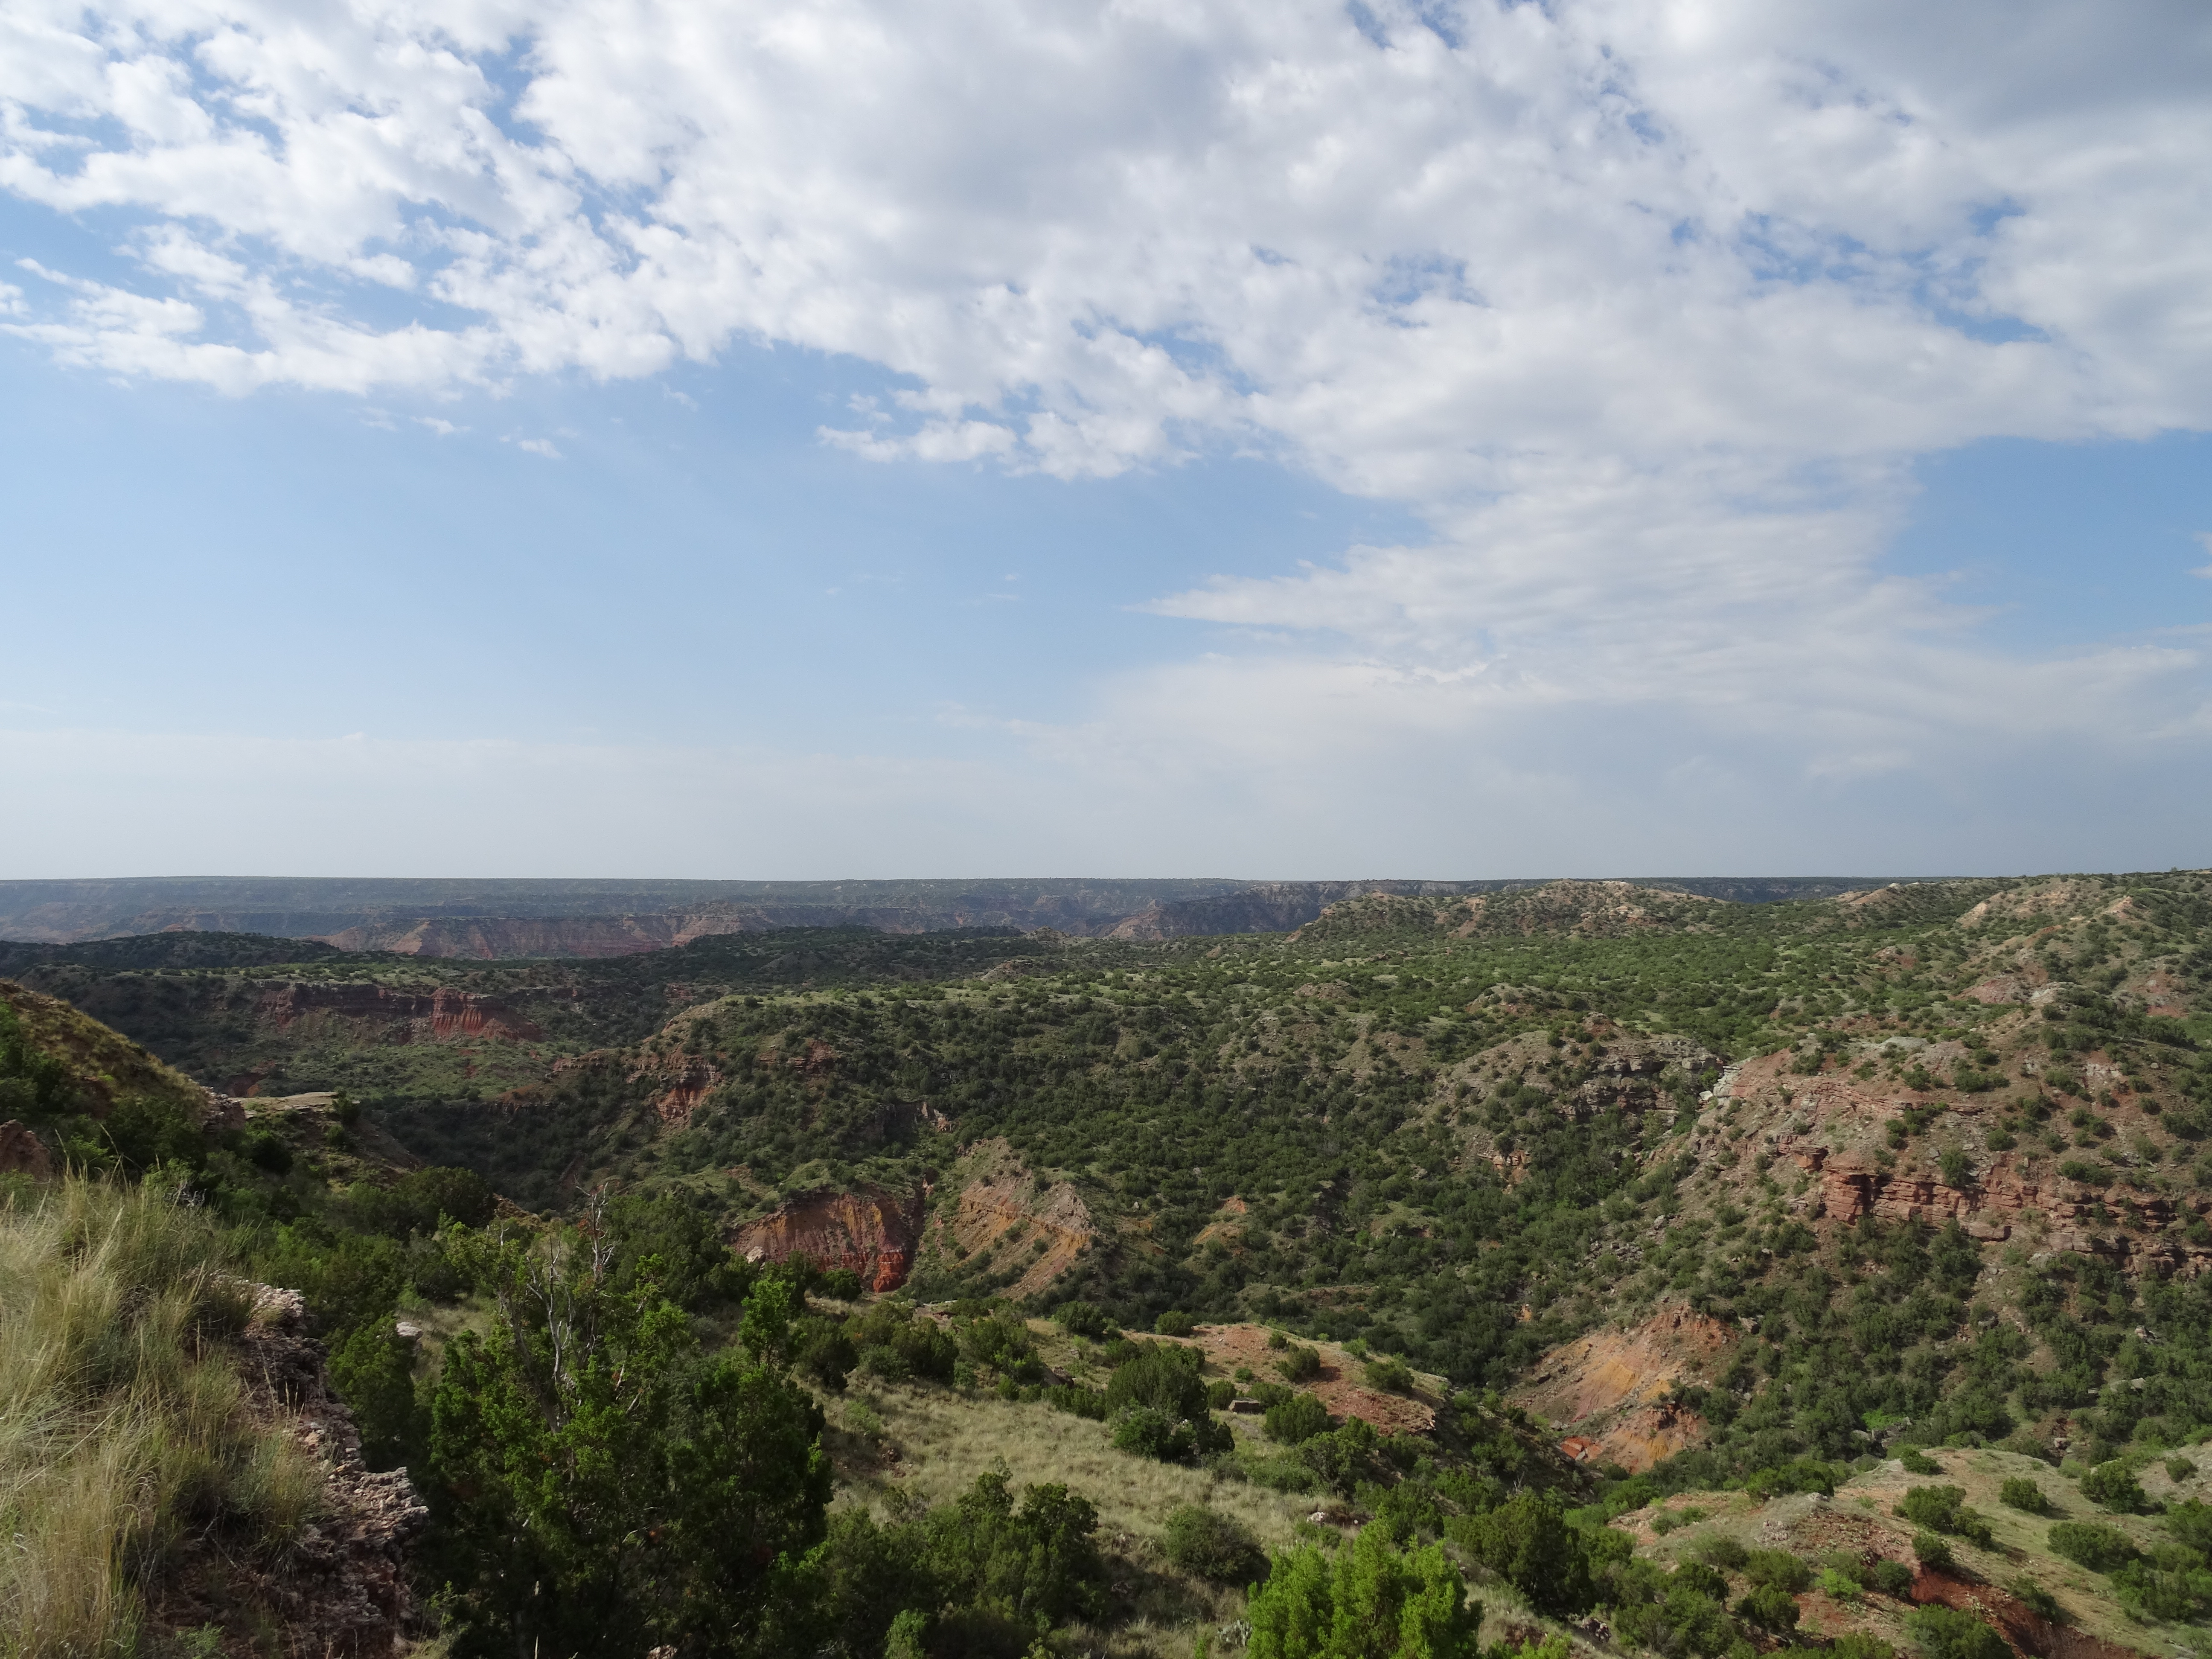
<point x="625" y="438"/>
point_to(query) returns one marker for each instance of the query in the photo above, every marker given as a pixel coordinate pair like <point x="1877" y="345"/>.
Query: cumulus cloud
<point x="1645" y="308"/>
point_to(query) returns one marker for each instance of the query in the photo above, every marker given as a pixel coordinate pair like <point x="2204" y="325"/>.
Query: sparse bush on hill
<point x="1778" y="1568"/>
<point x="1943" y="1509"/>
<point x="1081" y="1318"/>
<point x="2113" y="1486"/>
<point x="1212" y="1544"/>
<point x="1527" y="1542"/>
<point x="1942" y="1632"/>
<point x="2099" y="1548"/>
<point x="2019" y="1493"/>
<point x="1296" y="1419"/>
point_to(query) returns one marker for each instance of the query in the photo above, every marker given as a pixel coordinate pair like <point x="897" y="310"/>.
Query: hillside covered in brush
<point x="1819" y="1196"/>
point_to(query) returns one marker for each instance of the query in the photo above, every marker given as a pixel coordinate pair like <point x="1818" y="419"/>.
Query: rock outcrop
<point x="1610" y="1388"/>
<point x="22" y="1152"/>
<point x="340" y="1589"/>
<point x="872" y="1231"/>
<point x="1002" y="1209"/>
<point x="429" y="1016"/>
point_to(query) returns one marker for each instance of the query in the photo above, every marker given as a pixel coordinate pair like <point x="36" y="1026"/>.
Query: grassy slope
<point x="102" y="1065"/>
<point x="131" y="1439"/>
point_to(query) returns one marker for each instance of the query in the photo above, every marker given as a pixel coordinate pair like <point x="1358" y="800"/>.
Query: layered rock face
<point x="2077" y="1217"/>
<point x="872" y="1231"/>
<point x="435" y="1014"/>
<point x="1002" y="1207"/>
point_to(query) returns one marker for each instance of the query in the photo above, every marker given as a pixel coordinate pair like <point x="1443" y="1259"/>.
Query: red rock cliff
<point x="444" y="1012"/>
<point x="871" y="1232"/>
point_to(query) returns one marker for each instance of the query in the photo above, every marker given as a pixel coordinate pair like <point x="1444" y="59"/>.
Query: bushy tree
<point x="1372" y="1602"/>
<point x="603" y="1487"/>
<point x="1212" y="1544"/>
<point x="2099" y="1548"/>
<point x="1527" y="1542"/>
<point x="2113" y="1486"/>
<point x="1943" y="1633"/>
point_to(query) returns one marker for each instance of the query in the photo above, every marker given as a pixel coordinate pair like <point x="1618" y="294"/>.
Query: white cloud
<point x="2204" y="541"/>
<point x="1645" y="308"/>
<point x="539" y="447"/>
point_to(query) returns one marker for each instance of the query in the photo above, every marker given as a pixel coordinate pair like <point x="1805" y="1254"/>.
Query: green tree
<point x="1527" y="1542"/>
<point x="604" y="1488"/>
<point x="1943" y="1633"/>
<point x="1374" y="1603"/>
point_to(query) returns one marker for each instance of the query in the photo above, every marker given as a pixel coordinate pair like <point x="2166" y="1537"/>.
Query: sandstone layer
<point x="872" y="1231"/>
<point x="434" y="1016"/>
<point x="1001" y="1208"/>
<point x="1610" y="1388"/>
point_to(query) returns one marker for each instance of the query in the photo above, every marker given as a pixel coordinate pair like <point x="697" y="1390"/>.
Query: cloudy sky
<point x="620" y="437"/>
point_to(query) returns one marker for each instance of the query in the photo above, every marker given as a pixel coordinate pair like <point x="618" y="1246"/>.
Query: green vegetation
<point x="1371" y="1600"/>
<point x="2025" y="1495"/>
<point x="1943" y="1633"/>
<point x="129" y="1440"/>
<point x="1436" y="1140"/>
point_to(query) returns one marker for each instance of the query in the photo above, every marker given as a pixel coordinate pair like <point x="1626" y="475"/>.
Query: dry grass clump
<point x="124" y="1427"/>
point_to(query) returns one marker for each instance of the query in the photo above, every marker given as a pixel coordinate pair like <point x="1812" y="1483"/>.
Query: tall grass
<point x="124" y="1428"/>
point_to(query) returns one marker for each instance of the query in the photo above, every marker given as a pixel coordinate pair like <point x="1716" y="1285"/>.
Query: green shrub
<point x="1300" y="1364"/>
<point x="1697" y="1577"/>
<point x="1917" y="1462"/>
<point x="1778" y="1568"/>
<point x="2112" y="1486"/>
<point x="1162" y="1376"/>
<point x="2021" y="1493"/>
<point x="1148" y="1432"/>
<point x="1295" y="1419"/>
<point x="1770" y="1608"/>
<point x="1212" y="1544"/>
<point x="2099" y="1548"/>
<point x="1527" y="1542"/>
<point x="1078" y="1401"/>
<point x="842" y="1283"/>
<point x="1945" y="1633"/>
<point x="2178" y="1469"/>
<point x="1175" y="1323"/>
<point x="884" y="1363"/>
<point x="1722" y="1551"/>
<point x="1839" y="1585"/>
<point x="1890" y="1578"/>
<point x="1002" y="1342"/>
<point x="1933" y="1552"/>
<point x="1372" y="1599"/>
<point x="1942" y="1508"/>
<point x="1082" y="1318"/>
<point x="895" y="1343"/>
<point x="1389" y="1374"/>
<point x="2190" y="1523"/>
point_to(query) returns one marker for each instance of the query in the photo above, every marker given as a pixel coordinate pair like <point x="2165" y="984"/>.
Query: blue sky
<point x="1233" y="440"/>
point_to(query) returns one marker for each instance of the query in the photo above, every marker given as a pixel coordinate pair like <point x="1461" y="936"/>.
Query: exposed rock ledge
<point x="341" y="1589"/>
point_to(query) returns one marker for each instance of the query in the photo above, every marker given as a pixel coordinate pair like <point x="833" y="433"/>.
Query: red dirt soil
<point x="871" y="1232"/>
